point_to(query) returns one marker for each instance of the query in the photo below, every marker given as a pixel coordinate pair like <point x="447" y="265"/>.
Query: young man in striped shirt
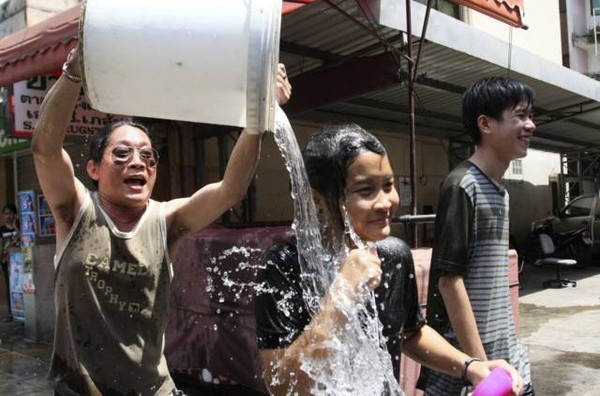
<point x="469" y="298"/>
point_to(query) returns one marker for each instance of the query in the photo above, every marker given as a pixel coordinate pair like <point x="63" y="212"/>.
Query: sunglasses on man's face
<point x="122" y="155"/>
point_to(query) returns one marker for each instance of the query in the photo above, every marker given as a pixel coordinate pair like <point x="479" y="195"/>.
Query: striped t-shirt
<point x="472" y="241"/>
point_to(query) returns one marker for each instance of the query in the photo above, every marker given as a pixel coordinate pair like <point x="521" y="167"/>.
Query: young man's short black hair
<point x="491" y="96"/>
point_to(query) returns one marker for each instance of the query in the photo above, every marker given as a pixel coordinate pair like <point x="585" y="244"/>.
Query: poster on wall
<point x="28" y="216"/>
<point x="405" y="191"/>
<point x="45" y="219"/>
<point x="27" y="272"/>
<point x="16" y="285"/>
<point x="27" y="209"/>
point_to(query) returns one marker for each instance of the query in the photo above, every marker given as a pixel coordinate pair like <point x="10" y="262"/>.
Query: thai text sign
<point x="27" y="98"/>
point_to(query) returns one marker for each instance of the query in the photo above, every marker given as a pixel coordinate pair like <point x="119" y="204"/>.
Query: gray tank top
<point x="111" y="296"/>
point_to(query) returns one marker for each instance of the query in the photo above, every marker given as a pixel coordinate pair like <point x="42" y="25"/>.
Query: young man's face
<point x="510" y="136"/>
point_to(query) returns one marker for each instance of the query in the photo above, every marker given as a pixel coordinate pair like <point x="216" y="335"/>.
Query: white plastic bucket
<point x="209" y="61"/>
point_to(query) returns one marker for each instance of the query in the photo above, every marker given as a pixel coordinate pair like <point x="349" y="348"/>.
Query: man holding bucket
<point x="113" y="245"/>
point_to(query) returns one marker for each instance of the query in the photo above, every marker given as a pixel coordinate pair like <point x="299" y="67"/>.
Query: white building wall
<point x="12" y="16"/>
<point x="38" y="10"/>
<point x="530" y="192"/>
<point x="582" y="51"/>
<point x="537" y="166"/>
<point x="543" y="36"/>
<point x="16" y="15"/>
<point x="578" y="24"/>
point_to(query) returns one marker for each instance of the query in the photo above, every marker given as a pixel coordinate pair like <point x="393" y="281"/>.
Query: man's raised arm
<point x="54" y="168"/>
<point x="207" y="204"/>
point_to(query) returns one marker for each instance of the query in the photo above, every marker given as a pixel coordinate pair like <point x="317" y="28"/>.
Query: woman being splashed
<point x="369" y="312"/>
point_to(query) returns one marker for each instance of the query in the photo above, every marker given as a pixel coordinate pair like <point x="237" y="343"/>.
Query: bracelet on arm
<point x="466" y="367"/>
<point x="69" y="75"/>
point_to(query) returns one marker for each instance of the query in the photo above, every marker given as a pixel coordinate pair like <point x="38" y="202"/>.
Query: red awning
<point x="507" y="11"/>
<point x="293" y="5"/>
<point x="42" y="48"/>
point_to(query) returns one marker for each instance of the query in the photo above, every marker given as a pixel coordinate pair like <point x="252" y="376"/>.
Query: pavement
<point x="23" y="363"/>
<point x="560" y="328"/>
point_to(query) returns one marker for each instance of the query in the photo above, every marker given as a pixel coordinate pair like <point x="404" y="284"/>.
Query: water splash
<point x="358" y="361"/>
<point x="315" y="262"/>
<point x="225" y="284"/>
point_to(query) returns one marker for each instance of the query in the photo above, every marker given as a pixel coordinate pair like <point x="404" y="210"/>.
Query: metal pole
<point x="422" y="41"/>
<point x="411" y="121"/>
<point x="15" y="161"/>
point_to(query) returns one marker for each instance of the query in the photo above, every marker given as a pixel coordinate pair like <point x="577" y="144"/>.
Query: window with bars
<point x="517" y="167"/>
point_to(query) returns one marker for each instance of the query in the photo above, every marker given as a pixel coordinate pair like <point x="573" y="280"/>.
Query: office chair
<point x="548" y="249"/>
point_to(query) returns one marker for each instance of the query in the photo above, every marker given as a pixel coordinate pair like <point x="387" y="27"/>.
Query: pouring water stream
<point x="359" y="360"/>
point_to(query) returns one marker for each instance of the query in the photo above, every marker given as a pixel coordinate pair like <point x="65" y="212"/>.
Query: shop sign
<point x="27" y="99"/>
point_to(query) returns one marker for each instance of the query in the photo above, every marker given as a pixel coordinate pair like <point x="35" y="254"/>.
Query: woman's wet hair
<point x="491" y="96"/>
<point x="97" y="143"/>
<point x="327" y="156"/>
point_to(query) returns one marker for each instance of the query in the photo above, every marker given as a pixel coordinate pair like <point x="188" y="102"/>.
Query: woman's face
<point x="9" y="217"/>
<point x="371" y="198"/>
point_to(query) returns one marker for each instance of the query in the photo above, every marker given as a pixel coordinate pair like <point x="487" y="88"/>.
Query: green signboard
<point x="9" y="145"/>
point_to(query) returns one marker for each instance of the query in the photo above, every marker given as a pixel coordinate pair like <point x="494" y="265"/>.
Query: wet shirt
<point x="282" y="315"/>
<point x="472" y="241"/>
<point x="111" y="295"/>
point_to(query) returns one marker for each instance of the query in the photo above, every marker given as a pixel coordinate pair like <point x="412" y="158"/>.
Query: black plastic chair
<point x="548" y="249"/>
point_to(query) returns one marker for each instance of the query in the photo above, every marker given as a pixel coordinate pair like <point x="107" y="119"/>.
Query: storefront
<point x="192" y="154"/>
<point x="30" y="63"/>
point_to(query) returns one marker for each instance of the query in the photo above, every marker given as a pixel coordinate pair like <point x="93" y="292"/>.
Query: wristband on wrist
<point x="69" y="75"/>
<point x="466" y="367"/>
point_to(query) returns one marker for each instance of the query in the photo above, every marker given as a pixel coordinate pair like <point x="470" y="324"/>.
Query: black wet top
<point x="282" y="315"/>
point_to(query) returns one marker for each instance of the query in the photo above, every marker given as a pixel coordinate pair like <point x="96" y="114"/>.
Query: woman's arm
<point x="282" y="371"/>
<point x="460" y="312"/>
<point x="429" y="348"/>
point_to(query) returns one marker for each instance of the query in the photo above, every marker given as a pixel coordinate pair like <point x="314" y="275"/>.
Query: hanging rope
<point x="510" y="47"/>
